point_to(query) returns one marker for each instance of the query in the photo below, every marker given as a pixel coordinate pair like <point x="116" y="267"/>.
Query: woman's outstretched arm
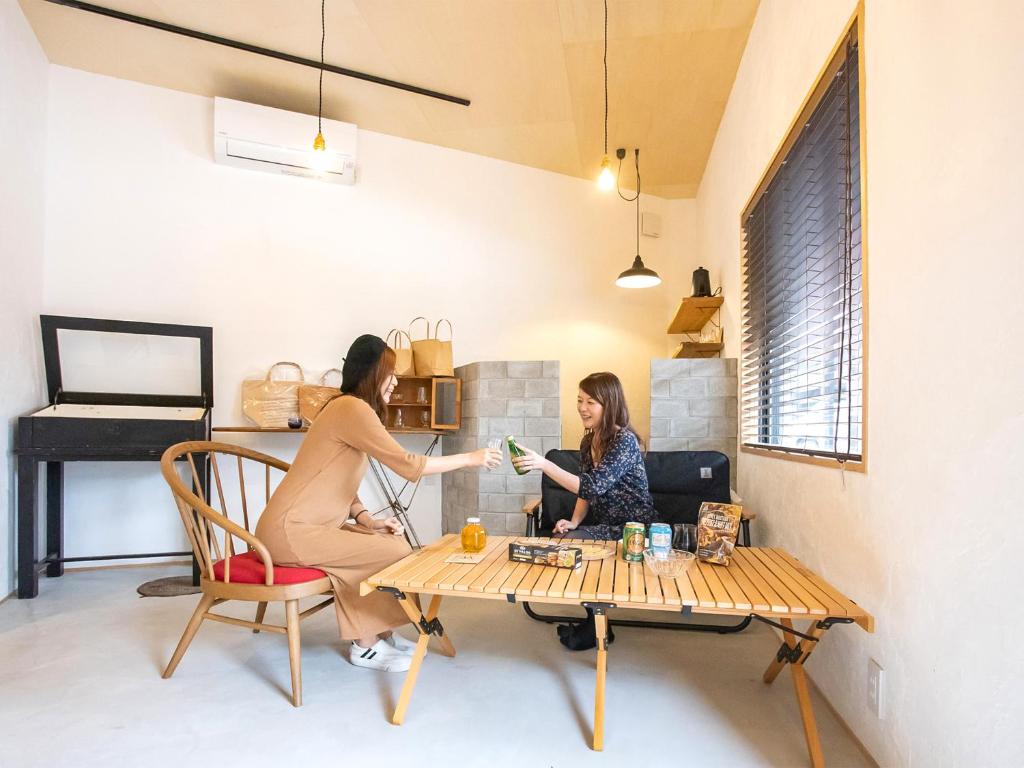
<point x="484" y="457"/>
<point x="533" y="460"/>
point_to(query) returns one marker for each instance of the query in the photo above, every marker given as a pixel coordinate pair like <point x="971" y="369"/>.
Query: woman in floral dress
<point x="612" y="484"/>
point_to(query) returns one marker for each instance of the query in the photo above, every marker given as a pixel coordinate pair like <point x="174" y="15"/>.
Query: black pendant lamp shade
<point x="638" y="276"/>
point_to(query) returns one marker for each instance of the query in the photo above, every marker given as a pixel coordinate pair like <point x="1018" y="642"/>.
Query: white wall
<point x="23" y="85"/>
<point x="141" y="224"/>
<point x="929" y="538"/>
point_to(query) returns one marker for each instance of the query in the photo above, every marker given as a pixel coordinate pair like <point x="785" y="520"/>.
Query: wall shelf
<point x="694" y="312"/>
<point x="696" y="349"/>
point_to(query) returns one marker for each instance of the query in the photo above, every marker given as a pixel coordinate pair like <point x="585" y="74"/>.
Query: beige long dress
<point x="304" y="523"/>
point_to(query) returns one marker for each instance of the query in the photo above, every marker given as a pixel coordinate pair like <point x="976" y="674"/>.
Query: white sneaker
<point x="379" y="656"/>
<point x="399" y="643"/>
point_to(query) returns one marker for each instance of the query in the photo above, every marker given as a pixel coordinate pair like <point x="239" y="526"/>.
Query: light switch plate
<point x="705" y="473"/>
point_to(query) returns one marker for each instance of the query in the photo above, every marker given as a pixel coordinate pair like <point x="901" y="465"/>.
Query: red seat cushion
<point x="248" y="569"/>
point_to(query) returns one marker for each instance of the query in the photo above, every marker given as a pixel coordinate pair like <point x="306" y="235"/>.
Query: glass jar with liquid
<point x="474" y="537"/>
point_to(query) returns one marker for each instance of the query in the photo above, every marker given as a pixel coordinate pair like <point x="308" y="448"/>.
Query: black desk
<point x="97" y="426"/>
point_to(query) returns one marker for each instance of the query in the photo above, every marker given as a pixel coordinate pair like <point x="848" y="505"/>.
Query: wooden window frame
<point x="854" y="26"/>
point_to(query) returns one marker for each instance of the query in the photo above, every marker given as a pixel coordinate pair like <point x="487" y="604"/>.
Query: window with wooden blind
<point x="803" y="342"/>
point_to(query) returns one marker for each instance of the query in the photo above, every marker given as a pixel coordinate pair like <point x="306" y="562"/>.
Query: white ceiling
<point x="532" y="69"/>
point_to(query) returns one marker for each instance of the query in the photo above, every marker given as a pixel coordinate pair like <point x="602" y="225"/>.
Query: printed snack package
<point x="717" y="528"/>
<point x="558" y="556"/>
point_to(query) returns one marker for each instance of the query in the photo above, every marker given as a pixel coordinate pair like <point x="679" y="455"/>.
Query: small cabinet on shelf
<point x="425" y="404"/>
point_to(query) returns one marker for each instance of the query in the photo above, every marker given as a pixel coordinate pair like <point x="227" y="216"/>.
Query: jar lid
<point x="472" y="519"/>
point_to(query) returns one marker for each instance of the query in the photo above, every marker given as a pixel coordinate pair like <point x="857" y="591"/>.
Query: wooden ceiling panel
<point x="532" y="69"/>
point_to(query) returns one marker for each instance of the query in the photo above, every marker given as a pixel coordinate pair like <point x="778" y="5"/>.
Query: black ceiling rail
<point x="217" y="40"/>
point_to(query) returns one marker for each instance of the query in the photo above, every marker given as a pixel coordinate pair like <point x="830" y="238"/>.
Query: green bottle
<point x="514" y="451"/>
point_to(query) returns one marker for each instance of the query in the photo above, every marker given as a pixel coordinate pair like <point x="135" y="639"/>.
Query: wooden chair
<point x="250" y="575"/>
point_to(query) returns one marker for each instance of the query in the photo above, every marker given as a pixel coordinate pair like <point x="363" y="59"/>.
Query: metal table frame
<point x="394" y="498"/>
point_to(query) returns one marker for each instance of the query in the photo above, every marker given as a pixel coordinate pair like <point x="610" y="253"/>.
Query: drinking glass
<point x="399" y="421"/>
<point x="684" y="537"/>
<point x="496" y="443"/>
<point x="424" y="418"/>
<point x="421" y="395"/>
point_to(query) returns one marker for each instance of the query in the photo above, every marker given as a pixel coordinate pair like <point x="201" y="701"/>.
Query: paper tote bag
<point x="432" y="356"/>
<point x="271" y="403"/>
<point x="404" y="365"/>
<point x="313" y="397"/>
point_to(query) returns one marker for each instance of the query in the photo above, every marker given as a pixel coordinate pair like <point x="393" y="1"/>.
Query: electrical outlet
<point x="876" y="689"/>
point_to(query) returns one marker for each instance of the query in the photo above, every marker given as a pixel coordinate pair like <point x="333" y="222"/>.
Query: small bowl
<point x="670" y="565"/>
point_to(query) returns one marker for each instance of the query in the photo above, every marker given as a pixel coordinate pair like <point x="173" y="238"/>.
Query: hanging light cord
<point x="636" y="157"/>
<point x="606" y="78"/>
<point x="320" y="98"/>
<point x="618" y="176"/>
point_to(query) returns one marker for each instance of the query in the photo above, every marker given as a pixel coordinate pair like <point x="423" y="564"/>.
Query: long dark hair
<point x="370" y="385"/>
<point x="606" y="388"/>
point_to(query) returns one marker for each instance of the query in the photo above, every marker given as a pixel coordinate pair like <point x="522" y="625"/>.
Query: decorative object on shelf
<point x="701" y="282"/>
<point x="711" y="334"/>
<point x="404" y="365"/>
<point x="313" y="397"/>
<point x="269" y="403"/>
<point x="319" y="145"/>
<point x="431" y="355"/>
<point x="637" y="276"/>
<point x="606" y="179"/>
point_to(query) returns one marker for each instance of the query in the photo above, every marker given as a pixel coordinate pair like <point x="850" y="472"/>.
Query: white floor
<point x="80" y="686"/>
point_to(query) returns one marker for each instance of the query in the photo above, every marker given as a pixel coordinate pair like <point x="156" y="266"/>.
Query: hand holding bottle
<point x="527" y="460"/>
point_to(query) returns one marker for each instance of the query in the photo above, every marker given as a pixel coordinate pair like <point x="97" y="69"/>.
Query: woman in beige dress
<point x="307" y="523"/>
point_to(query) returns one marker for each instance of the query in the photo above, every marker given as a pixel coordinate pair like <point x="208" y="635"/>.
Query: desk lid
<point x="201" y="397"/>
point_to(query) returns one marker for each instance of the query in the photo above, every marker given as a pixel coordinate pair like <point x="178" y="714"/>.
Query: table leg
<point x="601" y="628"/>
<point x="28" y="477"/>
<point x="426" y="625"/>
<point x="803" y="695"/>
<point x="55" y="516"/>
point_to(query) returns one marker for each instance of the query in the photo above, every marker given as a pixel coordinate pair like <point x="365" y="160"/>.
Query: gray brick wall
<point x="694" y="406"/>
<point x="517" y="397"/>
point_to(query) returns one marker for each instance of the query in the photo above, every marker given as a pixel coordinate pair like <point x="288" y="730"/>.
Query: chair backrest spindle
<point x="241" y="493"/>
<point x="200" y="519"/>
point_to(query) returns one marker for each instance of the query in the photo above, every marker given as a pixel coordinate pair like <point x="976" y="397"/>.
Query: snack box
<point x="546" y="554"/>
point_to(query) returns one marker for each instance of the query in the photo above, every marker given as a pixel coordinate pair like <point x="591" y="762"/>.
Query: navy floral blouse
<point x="616" y="488"/>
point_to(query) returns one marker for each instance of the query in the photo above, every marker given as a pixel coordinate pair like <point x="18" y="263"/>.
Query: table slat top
<point x="767" y="581"/>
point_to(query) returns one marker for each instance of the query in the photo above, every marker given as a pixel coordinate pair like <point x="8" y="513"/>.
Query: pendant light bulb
<point x="319" y="158"/>
<point x="606" y="179"/>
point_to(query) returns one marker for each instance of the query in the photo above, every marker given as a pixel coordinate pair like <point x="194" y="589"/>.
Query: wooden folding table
<point x="764" y="582"/>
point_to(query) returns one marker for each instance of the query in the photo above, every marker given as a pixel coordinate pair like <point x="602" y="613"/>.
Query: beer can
<point x="633" y="542"/>
<point x="661" y="539"/>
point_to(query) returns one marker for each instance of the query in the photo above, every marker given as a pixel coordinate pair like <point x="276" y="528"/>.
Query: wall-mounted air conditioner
<point x="273" y="140"/>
